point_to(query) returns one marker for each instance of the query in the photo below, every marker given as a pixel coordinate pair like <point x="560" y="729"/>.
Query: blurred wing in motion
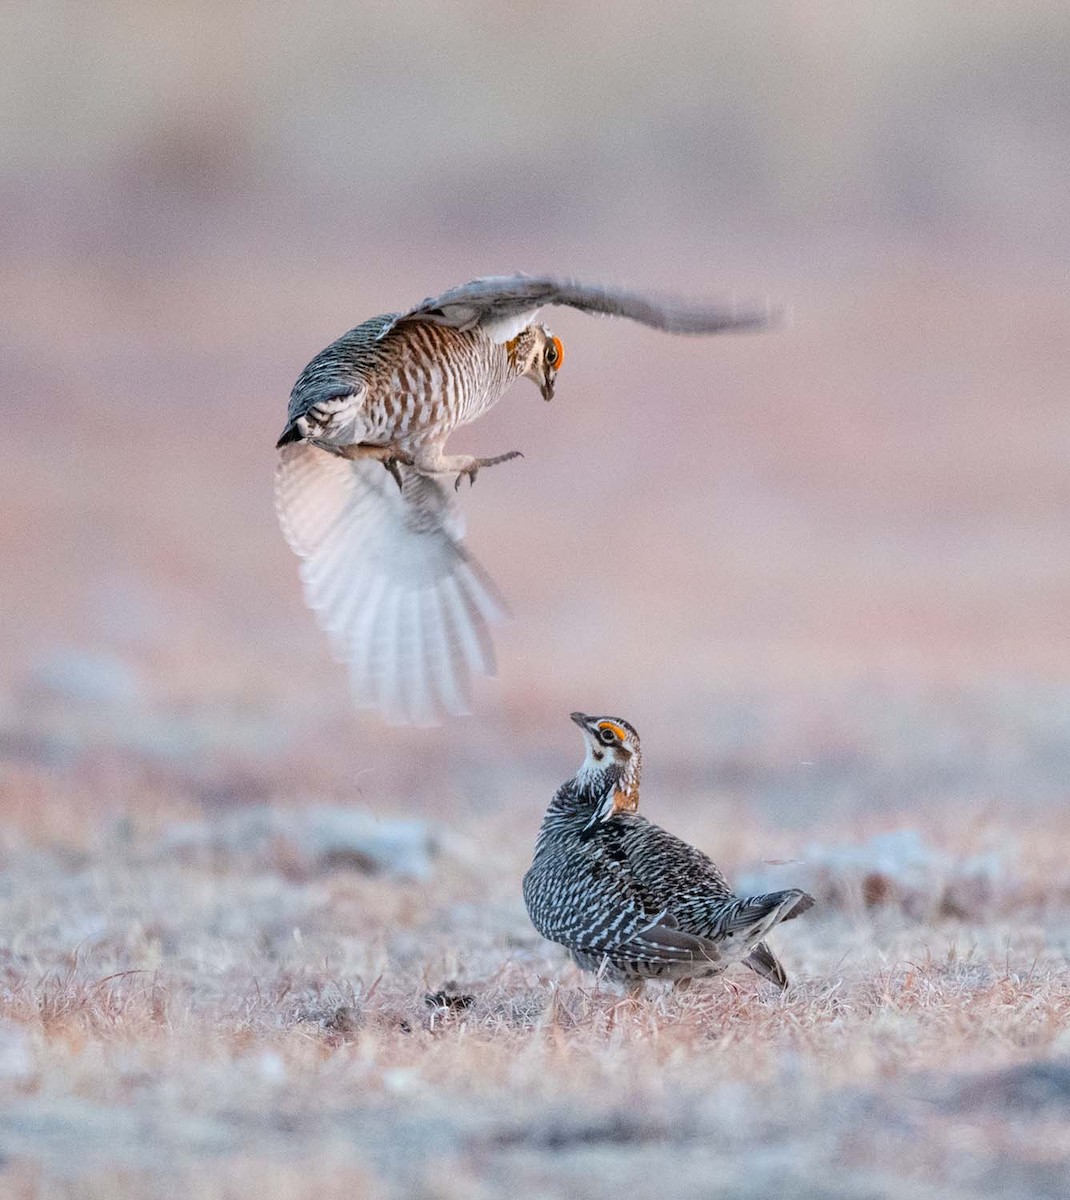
<point x="404" y="604"/>
<point x="505" y="304"/>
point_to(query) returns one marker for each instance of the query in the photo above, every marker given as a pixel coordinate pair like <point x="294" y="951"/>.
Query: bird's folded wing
<point x="662" y="943"/>
<point x="406" y="607"/>
<point x="504" y="304"/>
<point x="622" y="928"/>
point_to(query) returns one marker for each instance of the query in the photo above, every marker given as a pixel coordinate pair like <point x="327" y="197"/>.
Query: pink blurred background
<point x="830" y="558"/>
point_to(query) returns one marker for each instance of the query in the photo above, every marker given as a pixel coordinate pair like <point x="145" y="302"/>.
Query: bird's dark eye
<point x="551" y="355"/>
<point x="606" y="737"/>
<point x="555" y="352"/>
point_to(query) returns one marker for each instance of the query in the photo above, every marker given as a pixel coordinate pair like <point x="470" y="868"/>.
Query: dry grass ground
<point x="842" y="614"/>
<point x="823" y="572"/>
<point x="220" y="1024"/>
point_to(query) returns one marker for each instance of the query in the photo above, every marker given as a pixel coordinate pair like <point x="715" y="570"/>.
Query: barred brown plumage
<point x="384" y="567"/>
<point x="622" y="893"/>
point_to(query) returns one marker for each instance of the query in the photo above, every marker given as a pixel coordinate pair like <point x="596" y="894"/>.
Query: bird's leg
<point x="389" y="455"/>
<point x="432" y="461"/>
<point x="472" y="469"/>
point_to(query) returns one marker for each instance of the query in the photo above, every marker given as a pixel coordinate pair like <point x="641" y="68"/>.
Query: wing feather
<point x="405" y="605"/>
<point x="504" y="304"/>
<point x="610" y="913"/>
<point x="655" y="945"/>
<point x="356" y="650"/>
<point x="446" y="693"/>
<point x="473" y="638"/>
<point x="454" y="643"/>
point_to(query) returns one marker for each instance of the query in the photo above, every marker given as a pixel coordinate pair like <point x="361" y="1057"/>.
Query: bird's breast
<point x="433" y="379"/>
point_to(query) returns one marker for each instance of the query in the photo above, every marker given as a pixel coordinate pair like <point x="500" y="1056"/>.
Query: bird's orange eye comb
<point x="613" y="729"/>
<point x="560" y="352"/>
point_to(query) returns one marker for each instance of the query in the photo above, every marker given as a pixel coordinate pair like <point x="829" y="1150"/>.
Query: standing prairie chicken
<point x="618" y="890"/>
<point x="384" y="566"/>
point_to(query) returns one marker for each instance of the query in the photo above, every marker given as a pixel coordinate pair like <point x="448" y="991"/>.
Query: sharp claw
<point x="473" y="470"/>
<point x="391" y="465"/>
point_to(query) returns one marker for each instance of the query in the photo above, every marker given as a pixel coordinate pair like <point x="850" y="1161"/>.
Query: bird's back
<point x="690" y="885"/>
<point x="575" y="885"/>
<point x="625" y="892"/>
<point x="681" y="878"/>
<point x="417" y="382"/>
<point x="343" y="365"/>
<point x="666" y="863"/>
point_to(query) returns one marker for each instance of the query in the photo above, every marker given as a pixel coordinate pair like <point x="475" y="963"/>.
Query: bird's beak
<point x="581" y="719"/>
<point x="547" y="389"/>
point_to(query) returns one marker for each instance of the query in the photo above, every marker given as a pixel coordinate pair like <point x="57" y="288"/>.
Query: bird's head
<point x="612" y="766"/>
<point x="538" y="356"/>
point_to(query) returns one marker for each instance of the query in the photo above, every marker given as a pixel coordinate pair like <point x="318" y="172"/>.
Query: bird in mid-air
<point x="385" y="568"/>
<point x="625" y="895"/>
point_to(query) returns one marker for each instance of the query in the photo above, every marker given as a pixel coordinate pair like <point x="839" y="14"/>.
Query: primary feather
<point x="623" y="894"/>
<point x="405" y="605"/>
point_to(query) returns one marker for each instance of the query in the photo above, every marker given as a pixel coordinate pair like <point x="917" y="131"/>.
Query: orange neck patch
<point x="625" y="802"/>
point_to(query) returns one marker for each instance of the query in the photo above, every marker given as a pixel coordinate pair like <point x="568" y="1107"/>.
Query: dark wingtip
<point x="291" y="434"/>
<point x="764" y="962"/>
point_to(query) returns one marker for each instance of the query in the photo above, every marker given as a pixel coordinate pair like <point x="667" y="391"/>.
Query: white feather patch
<point x="404" y="605"/>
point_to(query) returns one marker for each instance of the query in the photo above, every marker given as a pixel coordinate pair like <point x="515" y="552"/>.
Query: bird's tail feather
<point x="754" y="916"/>
<point x="765" y="963"/>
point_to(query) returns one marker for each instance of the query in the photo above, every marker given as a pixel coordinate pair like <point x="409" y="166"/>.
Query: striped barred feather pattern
<point x="630" y="896"/>
<point x="341" y="368"/>
<point x="583" y="895"/>
<point x="405" y="606"/>
<point x="411" y="387"/>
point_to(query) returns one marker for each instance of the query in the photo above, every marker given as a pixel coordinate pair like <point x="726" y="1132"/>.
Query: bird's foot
<point x="472" y="469"/>
<point x="391" y="465"/>
<point x="390" y="456"/>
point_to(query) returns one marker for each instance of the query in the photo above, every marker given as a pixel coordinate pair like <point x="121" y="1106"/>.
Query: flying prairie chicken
<point x="619" y="891"/>
<point x="384" y="566"/>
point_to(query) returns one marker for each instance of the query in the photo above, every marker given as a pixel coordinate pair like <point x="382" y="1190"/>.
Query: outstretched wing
<point x="404" y="604"/>
<point x="505" y="304"/>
